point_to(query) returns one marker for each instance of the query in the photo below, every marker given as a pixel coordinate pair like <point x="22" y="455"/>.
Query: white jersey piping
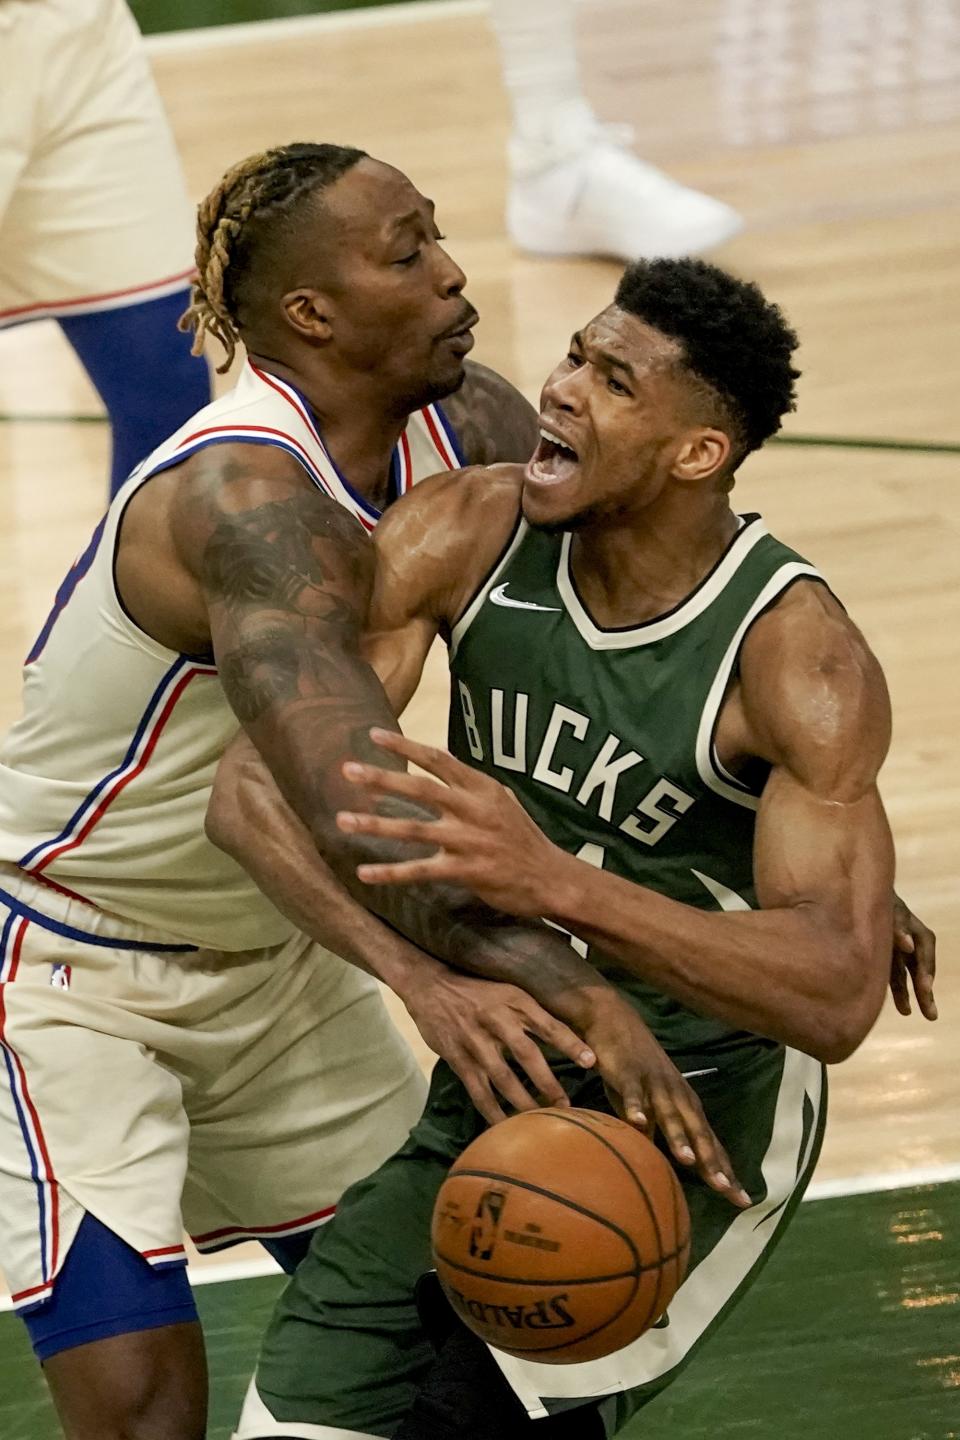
<point x="717" y="779"/>
<point x="749" y="535"/>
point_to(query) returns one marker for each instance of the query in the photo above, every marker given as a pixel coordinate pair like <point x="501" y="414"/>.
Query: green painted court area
<point x="160" y="15"/>
<point x="852" y="1333"/>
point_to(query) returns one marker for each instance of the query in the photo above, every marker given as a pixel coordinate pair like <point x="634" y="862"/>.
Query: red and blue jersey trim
<point x="74" y="575"/>
<point x="95" y="805"/>
<point x="444" y="437"/>
<point x="214" y="1240"/>
<point x="41" y="1169"/>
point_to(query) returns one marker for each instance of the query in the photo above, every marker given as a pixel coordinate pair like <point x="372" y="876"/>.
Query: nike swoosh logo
<point x="500" y="597"/>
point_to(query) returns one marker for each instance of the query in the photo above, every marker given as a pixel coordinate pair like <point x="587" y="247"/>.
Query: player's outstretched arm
<point x="810" y="968"/>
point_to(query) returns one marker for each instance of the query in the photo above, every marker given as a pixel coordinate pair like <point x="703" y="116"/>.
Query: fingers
<point x="898" y="986"/>
<point x="425" y="832"/>
<point x="436" y="762"/>
<point x="554" y="1032"/>
<point x="712" y="1161"/>
<point x="630" y="1104"/>
<point x="509" y="1086"/>
<point x="400" y="782"/>
<point x="923" y="969"/>
<point x="923" y="989"/>
<point x="685" y="1128"/>
<point x="532" y="1061"/>
<point x="482" y="1097"/>
<point x="433" y="869"/>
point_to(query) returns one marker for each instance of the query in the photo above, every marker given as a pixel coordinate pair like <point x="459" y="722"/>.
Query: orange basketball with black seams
<point x="561" y="1235"/>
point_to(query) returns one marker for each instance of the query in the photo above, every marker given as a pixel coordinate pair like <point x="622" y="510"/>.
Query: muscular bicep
<point x="817" y="705"/>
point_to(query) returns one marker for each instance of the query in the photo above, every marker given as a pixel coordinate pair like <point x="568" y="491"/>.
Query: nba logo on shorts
<point x="60" y="977"/>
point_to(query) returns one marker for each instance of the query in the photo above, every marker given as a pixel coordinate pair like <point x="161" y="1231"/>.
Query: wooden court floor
<point x="846" y="175"/>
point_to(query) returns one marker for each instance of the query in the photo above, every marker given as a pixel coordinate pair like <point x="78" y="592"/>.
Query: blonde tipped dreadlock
<point x="258" y="189"/>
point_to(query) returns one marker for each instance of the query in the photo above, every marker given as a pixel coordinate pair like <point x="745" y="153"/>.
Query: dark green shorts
<point x="345" y="1351"/>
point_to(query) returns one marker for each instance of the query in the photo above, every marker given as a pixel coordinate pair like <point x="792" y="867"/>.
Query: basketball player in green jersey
<point x="694" y="729"/>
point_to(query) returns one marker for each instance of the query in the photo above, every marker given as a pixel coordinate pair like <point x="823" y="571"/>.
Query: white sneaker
<point x="602" y="200"/>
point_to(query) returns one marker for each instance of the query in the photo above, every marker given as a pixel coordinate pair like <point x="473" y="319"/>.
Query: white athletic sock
<point x="541" y="72"/>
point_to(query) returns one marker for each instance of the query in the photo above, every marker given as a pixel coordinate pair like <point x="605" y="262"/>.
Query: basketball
<point x="560" y="1235"/>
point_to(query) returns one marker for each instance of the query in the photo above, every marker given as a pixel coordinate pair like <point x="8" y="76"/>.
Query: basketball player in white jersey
<point x="174" y="1051"/>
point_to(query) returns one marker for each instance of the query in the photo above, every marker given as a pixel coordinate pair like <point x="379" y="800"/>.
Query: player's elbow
<point x="849" y="1020"/>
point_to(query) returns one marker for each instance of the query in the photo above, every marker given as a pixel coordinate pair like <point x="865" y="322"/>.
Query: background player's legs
<point x="144" y="373"/>
<point x="308" y="1087"/>
<point x="575" y="188"/>
<point x="94" y="209"/>
<point x="346" y="1349"/>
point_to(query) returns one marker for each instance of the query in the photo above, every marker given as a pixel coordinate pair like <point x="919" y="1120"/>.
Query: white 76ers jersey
<point x="104" y="782"/>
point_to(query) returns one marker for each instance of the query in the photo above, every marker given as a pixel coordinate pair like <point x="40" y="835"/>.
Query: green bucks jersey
<point x="607" y="736"/>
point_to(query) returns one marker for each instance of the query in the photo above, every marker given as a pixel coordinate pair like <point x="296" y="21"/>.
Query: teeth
<point x="555" y="440"/>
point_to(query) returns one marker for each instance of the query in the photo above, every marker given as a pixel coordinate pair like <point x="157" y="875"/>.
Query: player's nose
<point x="451" y="279"/>
<point x="565" y="389"/>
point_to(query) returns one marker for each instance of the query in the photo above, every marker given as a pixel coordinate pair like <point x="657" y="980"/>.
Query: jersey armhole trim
<point x="473" y="606"/>
<point x="450" y="434"/>
<point x="142" y="636"/>
<point x="711" y="771"/>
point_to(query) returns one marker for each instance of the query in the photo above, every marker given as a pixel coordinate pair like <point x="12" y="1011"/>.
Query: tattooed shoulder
<point x="286" y="574"/>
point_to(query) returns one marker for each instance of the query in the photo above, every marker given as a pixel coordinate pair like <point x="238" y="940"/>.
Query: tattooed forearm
<point x="455" y="926"/>
<point x="493" y="421"/>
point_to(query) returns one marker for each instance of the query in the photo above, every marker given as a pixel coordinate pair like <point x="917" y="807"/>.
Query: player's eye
<point x="617" y="387"/>
<point x="407" y="260"/>
<point x="574" y="360"/>
<point x="438" y="237"/>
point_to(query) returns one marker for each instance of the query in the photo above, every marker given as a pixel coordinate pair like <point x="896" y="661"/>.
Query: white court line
<point x="887" y="1180"/>
<point x="293" y="26"/>
<point x="819" y="1190"/>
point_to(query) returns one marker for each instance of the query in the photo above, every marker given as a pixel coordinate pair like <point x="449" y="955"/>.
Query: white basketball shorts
<point x="94" y="211"/>
<point x="234" y="1095"/>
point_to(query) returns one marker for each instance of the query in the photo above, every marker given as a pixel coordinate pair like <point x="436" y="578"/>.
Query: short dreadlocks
<point x="239" y="223"/>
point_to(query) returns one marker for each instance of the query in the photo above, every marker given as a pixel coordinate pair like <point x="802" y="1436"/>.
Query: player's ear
<point x="703" y="453"/>
<point x="308" y="312"/>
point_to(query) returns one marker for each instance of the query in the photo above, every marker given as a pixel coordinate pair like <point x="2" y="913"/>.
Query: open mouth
<point x="553" y="460"/>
